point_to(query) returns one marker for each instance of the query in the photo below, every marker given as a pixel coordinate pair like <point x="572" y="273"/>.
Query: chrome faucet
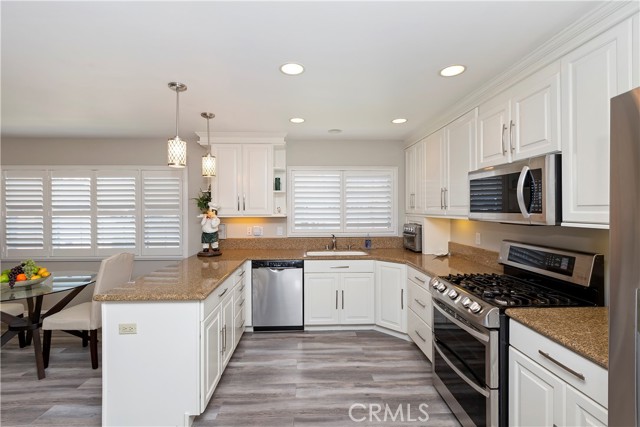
<point x="334" y="243"/>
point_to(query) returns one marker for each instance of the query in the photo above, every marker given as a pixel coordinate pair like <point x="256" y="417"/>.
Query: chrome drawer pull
<point x="242" y="325"/>
<point x="562" y="365"/>
<point x="242" y="288"/>
<point x="423" y="305"/>
<point x="420" y="336"/>
<point x="341" y="266"/>
<point x="223" y="292"/>
<point x="241" y="303"/>
<point x="419" y="279"/>
<point x="241" y="274"/>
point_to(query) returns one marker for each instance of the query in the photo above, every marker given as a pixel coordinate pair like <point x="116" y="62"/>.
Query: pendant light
<point x="208" y="161"/>
<point x="176" y="147"/>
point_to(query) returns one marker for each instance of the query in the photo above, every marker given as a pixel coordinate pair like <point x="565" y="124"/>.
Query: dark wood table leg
<point x="37" y="350"/>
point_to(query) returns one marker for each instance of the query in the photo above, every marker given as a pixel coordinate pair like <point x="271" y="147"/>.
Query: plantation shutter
<point x="316" y="201"/>
<point x="71" y="213"/>
<point x="23" y="213"/>
<point x="368" y="202"/>
<point x="116" y="201"/>
<point x="161" y="213"/>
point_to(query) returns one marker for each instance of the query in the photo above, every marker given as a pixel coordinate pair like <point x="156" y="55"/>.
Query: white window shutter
<point x="369" y="201"/>
<point x="316" y="201"/>
<point x="71" y="213"/>
<point x="116" y="202"/>
<point x="162" y="212"/>
<point x="23" y="214"/>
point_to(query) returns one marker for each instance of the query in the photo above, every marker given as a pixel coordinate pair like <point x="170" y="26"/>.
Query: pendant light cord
<point x="177" y="110"/>
<point x="208" y="136"/>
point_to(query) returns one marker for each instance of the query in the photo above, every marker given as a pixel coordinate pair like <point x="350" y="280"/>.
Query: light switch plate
<point x="257" y="230"/>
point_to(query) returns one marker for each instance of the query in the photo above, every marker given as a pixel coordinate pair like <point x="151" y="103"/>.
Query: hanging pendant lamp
<point x="208" y="161"/>
<point x="176" y="147"/>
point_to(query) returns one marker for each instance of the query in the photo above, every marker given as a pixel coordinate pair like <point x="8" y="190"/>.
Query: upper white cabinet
<point x="449" y="158"/>
<point x="391" y="296"/>
<point x="591" y="75"/>
<point x="415" y="178"/>
<point x="522" y="122"/>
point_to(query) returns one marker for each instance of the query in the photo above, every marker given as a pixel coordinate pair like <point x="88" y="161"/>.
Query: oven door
<point x="465" y="363"/>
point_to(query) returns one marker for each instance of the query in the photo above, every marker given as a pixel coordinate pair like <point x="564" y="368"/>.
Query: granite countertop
<point x="584" y="330"/>
<point x="195" y="278"/>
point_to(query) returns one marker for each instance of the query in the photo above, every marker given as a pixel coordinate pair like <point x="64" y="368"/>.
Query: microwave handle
<point x="520" y="192"/>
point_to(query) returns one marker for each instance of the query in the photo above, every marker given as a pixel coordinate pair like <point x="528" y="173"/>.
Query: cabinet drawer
<point x="240" y="289"/>
<point x="420" y="302"/>
<point x="534" y="345"/>
<point x="239" y="274"/>
<point x="421" y="334"/>
<point x="215" y="297"/>
<point x="418" y="277"/>
<point x="338" y="266"/>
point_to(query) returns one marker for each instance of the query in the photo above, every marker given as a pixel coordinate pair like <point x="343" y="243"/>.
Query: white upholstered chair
<point x="87" y="317"/>
<point x="15" y="309"/>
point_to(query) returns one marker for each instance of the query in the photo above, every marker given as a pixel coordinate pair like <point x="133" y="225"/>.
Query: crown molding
<point x="276" y="138"/>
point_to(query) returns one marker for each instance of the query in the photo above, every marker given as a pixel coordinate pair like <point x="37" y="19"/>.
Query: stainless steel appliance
<point x="276" y="295"/>
<point x="471" y="331"/>
<point x="525" y="192"/>
<point x="412" y="236"/>
<point x="624" y="234"/>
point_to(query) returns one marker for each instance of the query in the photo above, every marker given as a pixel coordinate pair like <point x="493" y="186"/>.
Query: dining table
<point x="70" y="282"/>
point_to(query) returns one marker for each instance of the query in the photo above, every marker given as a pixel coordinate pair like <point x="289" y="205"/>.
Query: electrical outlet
<point x="257" y="230"/>
<point x="280" y="231"/>
<point x="249" y="231"/>
<point x="478" y="239"/>
<point x="128" y="328"/>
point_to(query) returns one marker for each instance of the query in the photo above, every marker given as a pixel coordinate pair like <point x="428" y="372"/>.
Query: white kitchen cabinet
<point x="211" y="365"/>
<point x="227" y="328"/>
<point x="522" y="122"/>
<point x="390" y="297"/>
<point x="591" y="75"/>
<point x="551" y="385"/>
<point x="449" y="158"/>
<point x="420" y="314"/>
<point x="244" y="179"/>
<point x="415" y="169"/>
<point x="333" y="296"/>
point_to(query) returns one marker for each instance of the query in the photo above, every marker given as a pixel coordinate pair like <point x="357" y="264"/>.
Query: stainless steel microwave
<point x="524" y="192"/>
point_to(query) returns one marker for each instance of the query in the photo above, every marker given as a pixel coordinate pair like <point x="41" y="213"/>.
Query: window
<point x="349" y="201"/>
<point x="65" y="212"/>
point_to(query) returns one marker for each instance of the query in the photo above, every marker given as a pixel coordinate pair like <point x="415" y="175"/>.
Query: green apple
<point x="4" y="278"/>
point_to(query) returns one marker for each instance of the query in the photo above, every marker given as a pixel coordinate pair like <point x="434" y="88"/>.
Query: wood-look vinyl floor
<point x="273" y="379"/>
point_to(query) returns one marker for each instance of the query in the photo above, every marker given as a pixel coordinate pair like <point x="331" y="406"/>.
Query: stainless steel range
<point x="470" y="328"/>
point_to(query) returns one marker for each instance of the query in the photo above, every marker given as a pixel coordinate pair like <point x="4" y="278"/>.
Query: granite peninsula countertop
<point x="584" y="330"/>
<point x="195" y="278"/>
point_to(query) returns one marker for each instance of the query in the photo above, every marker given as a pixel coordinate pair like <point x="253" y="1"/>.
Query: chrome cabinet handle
<point x="446" y="190"/>
<point x="343" y="300"/>
<point x="419" y="279"/>
<point x="238" y="196"/>
<point x="562" y="365"/>
<point x="244" y="202"/>
<point x="223" y="292"/>
<point x="420" y="303"/>
<point x="420" y="336"/>
<point x="441" y="198"/>
<point x="336" y="300"/>
<point x="242" y="273"/>
<point x="402" y="299"/>
<point x="241" y="288"/>
<point x="511" y="126"/>
<point x="241" y="303"/>
<point x="222" y="333"/>
<point x="242" y="324"/>
<point x="504" y="149"/>
<point x="340" y="266"/>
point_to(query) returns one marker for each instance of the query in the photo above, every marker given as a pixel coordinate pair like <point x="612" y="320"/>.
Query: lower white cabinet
<point x="391" y="298"/>
<point x="227" y="328"/>
<point x="210" y="365"/>
<point x="550" y="385"/>
<point x="332" y="298"/>
<point x="420" y="314"/>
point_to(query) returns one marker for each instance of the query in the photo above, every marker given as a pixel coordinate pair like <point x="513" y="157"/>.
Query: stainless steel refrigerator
<point x="624" y="298"/>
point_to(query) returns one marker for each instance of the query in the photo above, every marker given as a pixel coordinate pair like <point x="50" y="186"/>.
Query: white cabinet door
<point x="414" y="178"/>
<point x="584" y="412"/>
<point x="536" y="396"/>
<point x="434" y="174"/>
<point x="321" y="299"/>
<point x="357" y="299"/>
<point x="211" y="366"/>
<point x="391" y="305"/>
<point x="591" y="75"/>
<point x="534" y="129"/>
<point x="226" y="191"/>
<point x="493" y="121"/>
<point x="227" y="328"/>
<point x="459" y="158"/>
<point x="257" y="179"/>
<point x="410" y="179"/>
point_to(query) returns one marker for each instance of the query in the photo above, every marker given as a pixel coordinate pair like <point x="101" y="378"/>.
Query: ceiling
<point x="100" y="69"/>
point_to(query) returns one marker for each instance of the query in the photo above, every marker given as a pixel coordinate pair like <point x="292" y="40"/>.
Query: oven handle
<point x="482" y="337"/>
<point x="471" y="384"/>
<point x="520" y="192"/>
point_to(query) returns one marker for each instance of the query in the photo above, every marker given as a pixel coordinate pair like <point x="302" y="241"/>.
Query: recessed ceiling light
<point x="452" y="70"/>
<point x="292" y="69"/>
<point x="398" y="121"/>
<point x="296" y="120"/>
<point x="335" y="130"/>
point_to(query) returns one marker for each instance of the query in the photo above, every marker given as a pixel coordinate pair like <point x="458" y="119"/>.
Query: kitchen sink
<point x="336" y="253"/>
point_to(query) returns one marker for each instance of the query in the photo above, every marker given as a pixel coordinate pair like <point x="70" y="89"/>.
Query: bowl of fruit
<point x="27" y="273"/>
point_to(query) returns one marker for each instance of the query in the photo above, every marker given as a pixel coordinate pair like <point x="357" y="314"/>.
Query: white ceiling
<point x="100" y="69"/>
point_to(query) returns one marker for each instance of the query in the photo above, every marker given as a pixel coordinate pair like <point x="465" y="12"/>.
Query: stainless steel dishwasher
<point x="276" y="295"/>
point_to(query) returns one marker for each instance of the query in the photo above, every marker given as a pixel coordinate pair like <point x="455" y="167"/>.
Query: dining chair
<point x="83" y="320"/>
<point x="15" y="309"/>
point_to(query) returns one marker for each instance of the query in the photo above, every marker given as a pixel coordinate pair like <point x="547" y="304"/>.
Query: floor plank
<point x="273" y="379"/>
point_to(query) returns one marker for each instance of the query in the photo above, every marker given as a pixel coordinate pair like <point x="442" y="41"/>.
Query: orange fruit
<point x="21" y="277"/>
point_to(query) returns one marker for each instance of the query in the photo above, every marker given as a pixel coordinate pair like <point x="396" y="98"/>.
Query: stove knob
<point x="434" y="283"/>
<point x="452" y="294"/>
<point x="441" y="287"/>
<point x="475" y="307"/>
<point x="466" y="302"/>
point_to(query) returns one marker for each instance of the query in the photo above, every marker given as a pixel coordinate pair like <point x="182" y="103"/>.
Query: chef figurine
<point x="210" y="223"/>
